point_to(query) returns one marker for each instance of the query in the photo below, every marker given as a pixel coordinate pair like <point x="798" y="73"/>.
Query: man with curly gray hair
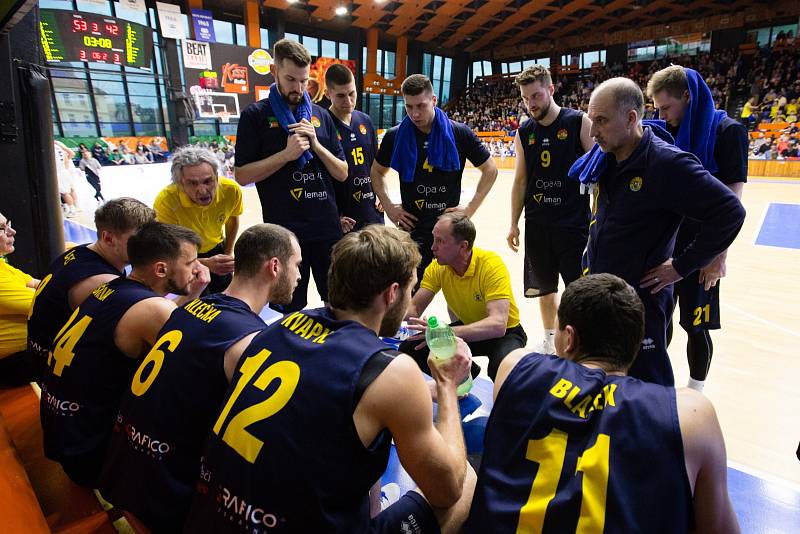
<point x="199" y="199"/>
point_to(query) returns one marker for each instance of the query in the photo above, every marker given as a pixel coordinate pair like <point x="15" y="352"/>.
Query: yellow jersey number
<point x="236" y="435"/>
<point x="168" y="342"/>
<point x="549" y="453"/>
<point x="427" y="166"/>
<point x="358" y="155"/>
<point x="545" y="157"/>
<point x="65" y="341"/>
<point x="39" y="289"/>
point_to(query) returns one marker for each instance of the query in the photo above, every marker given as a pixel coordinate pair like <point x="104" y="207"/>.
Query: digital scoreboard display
<point x="71" y="36"/>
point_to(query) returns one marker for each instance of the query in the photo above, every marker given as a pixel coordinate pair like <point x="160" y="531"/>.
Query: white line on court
<point x="762" y="320"/>
<point x="761" y="223"/>
<point x="764" y="475"/>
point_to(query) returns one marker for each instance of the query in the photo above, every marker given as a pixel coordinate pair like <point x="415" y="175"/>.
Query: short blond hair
<point x="365" y="263"/>
<point x="534" y="73"/>
<point x="673" y="80"/>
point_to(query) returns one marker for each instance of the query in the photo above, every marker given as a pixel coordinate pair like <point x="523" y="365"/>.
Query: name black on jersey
<point x="551" y="198"/>
<point x="87" y="375"/>
<point x="51" y="309"/>
<point x="284" y="456"/>
<point x="175" y="395"/>
<point x="571" y="449"/>
<point x="355" y="197"/>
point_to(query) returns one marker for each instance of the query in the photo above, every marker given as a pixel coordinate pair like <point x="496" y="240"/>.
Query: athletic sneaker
<point x="545" y="347"/>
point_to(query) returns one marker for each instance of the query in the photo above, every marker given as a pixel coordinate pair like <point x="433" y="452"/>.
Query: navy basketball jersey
<point x="153" y="461"/>
<point x="51" y="309"/>
<point x="551" y="198"/>
<point x="571" y="449"/>
<point x="87" y="373"/>
<point x="284" y="454"/>
<point x="355" y="197"/>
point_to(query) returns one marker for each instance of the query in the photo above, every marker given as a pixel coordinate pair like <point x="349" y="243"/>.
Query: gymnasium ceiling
<point x="479" y="26"/>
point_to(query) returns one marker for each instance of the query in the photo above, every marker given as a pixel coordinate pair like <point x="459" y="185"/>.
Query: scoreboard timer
<point x="75" y="36"/>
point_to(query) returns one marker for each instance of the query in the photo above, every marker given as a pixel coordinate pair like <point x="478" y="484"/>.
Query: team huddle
<point x="193" y="415"/>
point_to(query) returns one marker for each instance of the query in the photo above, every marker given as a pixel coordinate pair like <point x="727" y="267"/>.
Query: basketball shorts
<point x="699" y="308"/>
<point x="551" y="251"/>
<point x="410" y="514"/>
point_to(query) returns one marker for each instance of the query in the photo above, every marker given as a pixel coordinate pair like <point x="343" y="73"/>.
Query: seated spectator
<point x="127" y="157"/>
<point x="477" y="288"/>
<point x="99" y="153"/>
<point x="155" y="149"/>
<point x="140" y="156"/>
<point x="116" y="157"/>
<point x="16" y="295"/>
<point x="565" y="425"/>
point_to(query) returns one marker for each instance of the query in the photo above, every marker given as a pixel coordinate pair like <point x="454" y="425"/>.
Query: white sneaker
<point x="545" y="347"/>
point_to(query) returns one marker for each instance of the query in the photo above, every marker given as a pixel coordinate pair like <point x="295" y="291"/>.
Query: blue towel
<point x="285" y="116"/>
<point x="588" y="168"/>
<point x="698" y="131"/>
<point x="442" y="151"/>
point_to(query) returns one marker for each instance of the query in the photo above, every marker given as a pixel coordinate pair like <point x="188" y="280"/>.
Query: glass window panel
<point x="125" y="13"/>
<point x="111" y="108"/>
<point x="148" y="129"/>
<point x="144" y="89"/>
<point x="375" y="110"/>
<point x="223" y="31"/>
<point x="264" y="38"/>
<point x="186" y="30"/>
<point x="144" y="108"/>
<point x="389" y="57"/>
<point x="564" y="61"/>
<point x="504" y="68"/>
<point x="153" y="17"/>
<point x="365" y="103"/>
<point x="56" y="131"/>
<point x="228" y="129"/>
<point x="74" y="107"/>
<point x="115" y="129"/>
<point x="544" y="61"/>
<point x="528" y="63"/>
<point x="104" y="87"/>
<point x="388" y="111"/>
<point x="70" y="85"/>
<point x="90" y="7"/>
<point x="205" y="128"/>
<point x="487" y="68"/>
<point x="344" y="51"/>
<point x="427" y="64"/>
<point x="56" y="4"/>
<point x="241" y="35"/>
<point x="328" y="48"/>
<point x="446" y="92"/>
<point x="437" y="68"/>
<point x="380" y="62"/>
<point x="79" y="129"/>
<point x="312" y="44"/>
<point x="399" y="112"/>
<point x="364" y="59"/>
<point x="292" y="36"/>
<point x="516" y="66"/>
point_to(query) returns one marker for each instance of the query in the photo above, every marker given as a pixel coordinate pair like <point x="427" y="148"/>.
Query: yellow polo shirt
<point x="174" y="207"/>
<point x="485" y="280"/>
<point x="15" y="301"/>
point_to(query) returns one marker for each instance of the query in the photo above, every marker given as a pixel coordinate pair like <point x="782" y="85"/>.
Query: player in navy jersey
<point x="575" y="445"/>
<point x="94" y="353"/>
<point x="293" y="161"/>
<point x="556" y="213"/>
<point x="432" y="190"/>
<point x="358" y="205"/>
<point x="698" y="294"/>
<point x="76" y="273"/>
<point x="154" y="456"/>
<point x="307" y="423"/>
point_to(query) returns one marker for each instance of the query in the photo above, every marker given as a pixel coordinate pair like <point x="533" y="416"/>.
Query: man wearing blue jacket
<point x="646" y="189"/>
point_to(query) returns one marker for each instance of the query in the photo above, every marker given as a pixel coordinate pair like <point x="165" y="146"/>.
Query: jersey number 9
<point x="236" y="435"/>
<point x="545" y="156"/>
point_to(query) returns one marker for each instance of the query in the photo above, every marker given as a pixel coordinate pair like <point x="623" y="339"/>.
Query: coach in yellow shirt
<point x="477" y="288"/>
<point x="199" y="199"/>
<point x="16" y="295"/>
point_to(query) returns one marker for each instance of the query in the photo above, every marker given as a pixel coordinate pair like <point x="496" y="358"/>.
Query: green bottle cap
<point x="433" y="322"/>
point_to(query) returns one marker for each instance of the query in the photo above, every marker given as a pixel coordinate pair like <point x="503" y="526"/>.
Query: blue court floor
<point x="762" y="505"/>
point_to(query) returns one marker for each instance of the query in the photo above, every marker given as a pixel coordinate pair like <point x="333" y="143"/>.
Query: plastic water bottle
<point x="442" y="342"/>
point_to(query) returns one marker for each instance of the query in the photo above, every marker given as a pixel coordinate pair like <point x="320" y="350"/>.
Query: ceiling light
<point x="292" y="1"/>
<point x="341" y="10"/>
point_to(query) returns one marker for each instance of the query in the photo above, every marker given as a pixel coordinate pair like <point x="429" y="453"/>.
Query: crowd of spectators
<point x="122" y="155"/>
<point x="498" y="147"/>
<point x="225" y="152"/>
<point x="767" y="80"/>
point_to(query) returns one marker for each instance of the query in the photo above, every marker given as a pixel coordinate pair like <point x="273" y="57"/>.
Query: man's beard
<point x="542" y="113"/>
<point x="393" y="318"/>
<point x="173" y="288"/>
<point x="283" y="290"/>
<point x="291" y="98"/>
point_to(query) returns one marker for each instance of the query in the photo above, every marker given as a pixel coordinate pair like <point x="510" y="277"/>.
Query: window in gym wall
<point x="92" y="7"/>
<point x="328" y="48"/>
<point x="291" y="36"/>
<point x="344" y="51"/>
<point x="223" y="31"/>
<point x="241" y="35"/>
<point x="311" y="44"/>
<point x="265" y="38"/>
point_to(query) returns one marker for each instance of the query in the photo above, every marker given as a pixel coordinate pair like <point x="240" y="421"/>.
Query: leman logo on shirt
<point x="357" y="196"/>
<point x="297" y="192"/>
<point x="420" y="203"/>
<point x="362" y="129"/>
<point x="315" y="121"/>
<point x="636" y="183"/>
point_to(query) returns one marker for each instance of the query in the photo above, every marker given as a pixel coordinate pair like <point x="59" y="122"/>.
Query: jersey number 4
<point x="549" y="452"/>
<point x="236" y="435"/>
<point x="65" y="341"/>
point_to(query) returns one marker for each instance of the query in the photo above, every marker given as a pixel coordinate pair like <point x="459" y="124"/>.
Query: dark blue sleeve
<point x="384" y="156"/>
<point x="248" y="138"/>
<point x="730" y="153"/>
<point x="469" y="145"/>
<point x="692" y="192"/>
<point x="332" y="142"/>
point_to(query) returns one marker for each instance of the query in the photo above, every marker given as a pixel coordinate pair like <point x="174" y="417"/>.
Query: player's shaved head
<point x="623" y="92"/>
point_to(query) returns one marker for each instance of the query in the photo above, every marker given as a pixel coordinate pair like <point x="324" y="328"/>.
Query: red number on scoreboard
<point x="78" y="25"/>
<point x="112" y="29"/>
<point x="95" y="27"/>
<point x="83" y="55"/>
<point x="117" y="58"/>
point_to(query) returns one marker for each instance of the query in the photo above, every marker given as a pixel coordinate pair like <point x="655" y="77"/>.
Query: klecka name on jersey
<point x="142" y="442"/>
<point x="246" y="515"/>
<point x="59" y="406"/>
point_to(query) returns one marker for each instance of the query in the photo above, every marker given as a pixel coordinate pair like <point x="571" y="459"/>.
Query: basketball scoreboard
<point x="71" y="36"/>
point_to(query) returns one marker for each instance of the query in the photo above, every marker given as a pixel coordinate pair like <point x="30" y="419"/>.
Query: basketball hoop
<point x="224" y="117"/>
